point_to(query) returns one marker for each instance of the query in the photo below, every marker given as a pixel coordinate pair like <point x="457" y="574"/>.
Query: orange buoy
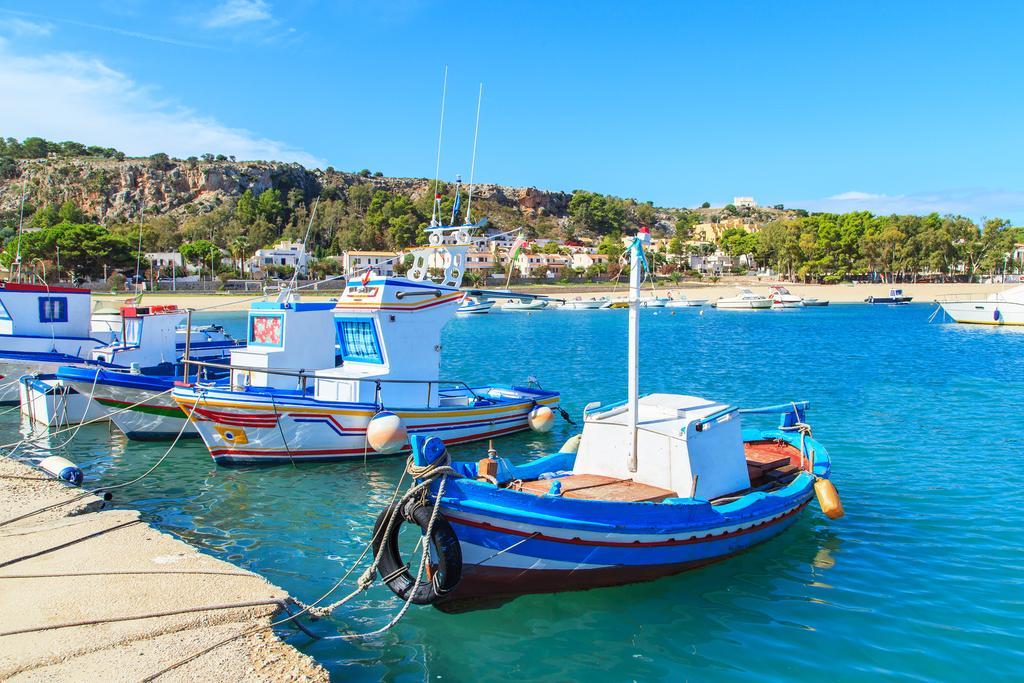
<point x="828" y="498"/>
<point x="541" y="419"/>
<point x="385" y="433"/>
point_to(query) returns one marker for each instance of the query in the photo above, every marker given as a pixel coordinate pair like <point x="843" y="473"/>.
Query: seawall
<point x="80" y="585"/>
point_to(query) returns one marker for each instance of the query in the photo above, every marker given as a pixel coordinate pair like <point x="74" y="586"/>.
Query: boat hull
<point x="475" y="309"/>
<point x="592" y="305"/>
<point x="50" y="401"/>
<point x="893" y="300"/>
<point x="634" y="558"/>
<point x="252" y="427"/>
<point x="749" y="305"/>
<point x="985" y="312"/>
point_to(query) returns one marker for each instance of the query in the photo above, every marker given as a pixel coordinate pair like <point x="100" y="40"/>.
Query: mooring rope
<point x="439" y="468"/>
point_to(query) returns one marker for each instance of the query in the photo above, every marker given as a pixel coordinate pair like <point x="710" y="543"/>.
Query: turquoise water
<point x="921" y="581"/>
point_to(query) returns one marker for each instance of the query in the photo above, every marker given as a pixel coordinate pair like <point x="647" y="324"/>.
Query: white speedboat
<point x="811" y="301"/>
<point x="685" y="302"/>
<point x="745" y="300"/>
<point x="654" y="302"/>
<point x="517" y="305"/>
<point x="783" y="298"/>
<point x="474" y="306"/>
<point x="1001" y="308"/>
<point x="579" y="304"/>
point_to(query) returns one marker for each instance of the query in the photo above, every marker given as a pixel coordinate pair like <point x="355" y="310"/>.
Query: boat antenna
<point x="305" y="241"/>
<point x="437" y="168"/>
<point x="21" y="225"/>
<point x="472" y="165"/>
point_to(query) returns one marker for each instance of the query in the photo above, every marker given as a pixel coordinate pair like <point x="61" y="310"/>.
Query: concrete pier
<point x="79" y="563"/>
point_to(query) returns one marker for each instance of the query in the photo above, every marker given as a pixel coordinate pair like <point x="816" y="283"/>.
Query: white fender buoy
<point x="541" y="419"/>
<point x="62" y="469"/>
<point x="385" y="433"/>
<point x="571" y="445"/>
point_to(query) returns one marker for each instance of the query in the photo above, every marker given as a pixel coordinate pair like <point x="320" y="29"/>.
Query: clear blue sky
<point x="906" y="106"/>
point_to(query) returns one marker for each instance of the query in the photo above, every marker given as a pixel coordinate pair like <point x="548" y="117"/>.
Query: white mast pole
<point x="635" y="278"/>
<point x="437" y="169"/>
<point x="472" y="165"/>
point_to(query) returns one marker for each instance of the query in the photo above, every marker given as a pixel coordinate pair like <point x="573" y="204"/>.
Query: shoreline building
<point x="289" y="254"/>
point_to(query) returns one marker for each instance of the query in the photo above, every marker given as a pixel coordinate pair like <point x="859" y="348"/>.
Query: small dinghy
<point x="654" y="485"/>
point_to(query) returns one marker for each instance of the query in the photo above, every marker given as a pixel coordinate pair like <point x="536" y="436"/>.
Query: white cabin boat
<point x="472" y="305"/>
<point x="745" y="300"/>
<point x="782" y="298"/>
<point x="1000" y="308"/>
<point x="685" y="302"/>
<point x="389" y="333"/>
<point x="520" y="305"/>
<point x="581" y="304"/>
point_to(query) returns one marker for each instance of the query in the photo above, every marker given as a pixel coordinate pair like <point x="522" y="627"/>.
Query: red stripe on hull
<point x="625" y="544"/>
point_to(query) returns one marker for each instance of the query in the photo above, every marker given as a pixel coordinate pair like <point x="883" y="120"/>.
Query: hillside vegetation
<point x="89" y="202"/>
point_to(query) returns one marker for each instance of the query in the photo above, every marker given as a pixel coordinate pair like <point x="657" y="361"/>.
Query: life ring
<point x="398" y="576"/>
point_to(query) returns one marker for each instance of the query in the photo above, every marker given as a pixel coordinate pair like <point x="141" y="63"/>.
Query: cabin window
<point x="53" y="309"/>
<point x="133" y="331"/>
<point x="358" y="338"/>
<point x="266" y="330"/>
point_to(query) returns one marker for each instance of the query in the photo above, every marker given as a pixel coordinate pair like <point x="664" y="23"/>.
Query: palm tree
<point x="239" y="247"/>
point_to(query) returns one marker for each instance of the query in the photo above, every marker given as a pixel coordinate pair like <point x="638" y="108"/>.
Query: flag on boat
<point x="455" y="209"/>
<point x="517" y="246"/>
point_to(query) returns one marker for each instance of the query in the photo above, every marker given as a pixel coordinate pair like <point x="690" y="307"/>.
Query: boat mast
<point x="472" y="165"/>
<point x="435" y="216"/>
<point x="636" y="266"/>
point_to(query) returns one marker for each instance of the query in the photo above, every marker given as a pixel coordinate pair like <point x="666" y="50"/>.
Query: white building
<point x="381" y="262"/>
<point x="744" y="202"/>
<point x="291" y="254"/>
<point x="164" y="259"/>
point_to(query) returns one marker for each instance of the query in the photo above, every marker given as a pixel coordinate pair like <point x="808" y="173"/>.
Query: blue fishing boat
<point x="653" y="486"/>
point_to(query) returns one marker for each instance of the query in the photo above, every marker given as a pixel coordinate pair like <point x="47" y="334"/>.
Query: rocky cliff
<point x="118" y="190"/>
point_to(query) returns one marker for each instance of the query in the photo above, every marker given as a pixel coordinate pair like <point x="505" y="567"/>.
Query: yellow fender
<point x="572" y="445"/>
<point x="828" y="498"/>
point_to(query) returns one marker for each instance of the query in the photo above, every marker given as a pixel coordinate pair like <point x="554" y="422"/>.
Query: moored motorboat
<point x="782" y="298"/>
<point x="475" y="306"/>
<point x="685" y="302"/>
<point x="745" y="300"/>
<point x="654" y="302"/>
<point x="580" y="304"/>
<point x="811" y="301"/>
<point x="896" y="296"/>
<point x="653" y="486"/>
<point x="1000" y="308"/>
<point x="527" y="305"/>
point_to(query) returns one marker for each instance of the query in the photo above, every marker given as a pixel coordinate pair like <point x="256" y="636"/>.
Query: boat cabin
<point x="687" y="445"/>
<point x="148" y="337"/>
<point x="284" y="335"/>
<point x="389" y="327"/>
<point x="42" y="311"/>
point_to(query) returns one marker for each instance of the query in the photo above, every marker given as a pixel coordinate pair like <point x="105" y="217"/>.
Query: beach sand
<point x="856" y="293"/>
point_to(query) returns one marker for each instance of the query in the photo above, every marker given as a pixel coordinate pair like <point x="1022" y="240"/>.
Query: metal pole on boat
<point x="636" y="261"/>
<point x="188" y="341"/>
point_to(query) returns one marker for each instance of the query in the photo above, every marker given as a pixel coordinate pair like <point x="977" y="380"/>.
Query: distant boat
<point x="654" y="302"/>
<point x="475" y="306"/>
<point x="783" y="298"/>
<point x="896" y="296"/>
<point x="579" y="304"/>
<point x="815" y="302"/>
<point x="517" y="305"/>
<point x="1001" y="308"/>
<point x="685" y="302"/>
<point x="744" y="300"/>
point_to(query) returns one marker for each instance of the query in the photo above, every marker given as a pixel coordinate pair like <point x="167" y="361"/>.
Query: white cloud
<point x="967" y="202"/>
<point x="64" y="96"/>
<point x="235" y="12"/>
<point x="24" y="28"/>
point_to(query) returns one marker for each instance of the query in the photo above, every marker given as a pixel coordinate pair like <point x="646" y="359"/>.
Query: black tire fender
<point x="397" y="574"/>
